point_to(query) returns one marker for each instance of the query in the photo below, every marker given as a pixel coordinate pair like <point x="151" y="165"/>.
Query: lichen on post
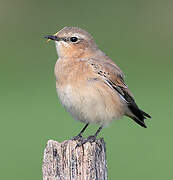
<point x="63" y="161"/>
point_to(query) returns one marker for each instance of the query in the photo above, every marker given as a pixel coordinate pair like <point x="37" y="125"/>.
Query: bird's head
<point x="73" y="42"/>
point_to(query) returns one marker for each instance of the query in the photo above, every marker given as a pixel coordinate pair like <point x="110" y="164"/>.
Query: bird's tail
<point x="138" y="115"/>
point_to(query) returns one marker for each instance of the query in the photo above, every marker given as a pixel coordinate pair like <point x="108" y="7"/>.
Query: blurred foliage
<point x="137" y="34"/>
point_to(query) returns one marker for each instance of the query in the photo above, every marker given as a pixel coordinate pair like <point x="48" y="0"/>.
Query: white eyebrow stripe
<point x="78" y="35"/>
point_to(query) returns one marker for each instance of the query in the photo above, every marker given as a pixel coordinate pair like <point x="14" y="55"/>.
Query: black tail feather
<point x="139" y="115"/>
<point x="136" y="114"/>
<point x="145" y="114"/>
<point x="141" y="123"/>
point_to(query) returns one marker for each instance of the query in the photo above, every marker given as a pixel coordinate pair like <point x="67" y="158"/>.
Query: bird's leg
<point x="90" y="138"/>
<point x="79" y="136"/>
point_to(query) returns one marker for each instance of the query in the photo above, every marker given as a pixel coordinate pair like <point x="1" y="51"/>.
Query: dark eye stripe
<point x="64" y="39"/>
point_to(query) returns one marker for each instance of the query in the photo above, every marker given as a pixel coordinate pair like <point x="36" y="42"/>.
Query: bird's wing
<point x="112" y="75"/>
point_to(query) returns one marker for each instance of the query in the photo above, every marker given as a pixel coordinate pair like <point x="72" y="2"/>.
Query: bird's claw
<point x="83" y="141"/>
<point x="77" y="138"/>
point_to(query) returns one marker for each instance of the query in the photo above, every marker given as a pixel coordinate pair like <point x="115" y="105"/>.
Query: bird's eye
<point x="73" y="39"/>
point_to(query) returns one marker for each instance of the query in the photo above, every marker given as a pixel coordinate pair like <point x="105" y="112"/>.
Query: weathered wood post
<point x="63" y="161"/>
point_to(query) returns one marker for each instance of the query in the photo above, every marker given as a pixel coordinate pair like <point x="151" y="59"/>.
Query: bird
<point x="90" y="86"/>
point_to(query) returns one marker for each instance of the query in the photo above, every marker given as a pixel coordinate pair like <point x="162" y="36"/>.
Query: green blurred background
<point x="137" y="34"/>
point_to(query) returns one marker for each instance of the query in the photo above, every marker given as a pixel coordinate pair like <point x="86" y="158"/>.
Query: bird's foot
<point x="89" y="139"/>
<point x="77" y="138"/>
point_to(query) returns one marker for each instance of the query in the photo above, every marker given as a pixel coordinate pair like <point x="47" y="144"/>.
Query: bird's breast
<point x="85" y="96"/>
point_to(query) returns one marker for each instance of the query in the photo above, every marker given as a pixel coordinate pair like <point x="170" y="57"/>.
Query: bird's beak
<point x="50" y="37"/>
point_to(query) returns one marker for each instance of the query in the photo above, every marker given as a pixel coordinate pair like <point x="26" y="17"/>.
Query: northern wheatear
<point x="89" y="84"/>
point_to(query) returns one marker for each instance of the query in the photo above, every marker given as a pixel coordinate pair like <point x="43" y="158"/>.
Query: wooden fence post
<point x="63" y="161"/>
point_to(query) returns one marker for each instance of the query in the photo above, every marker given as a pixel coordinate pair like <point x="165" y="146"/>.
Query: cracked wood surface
<point x="62" y="161"/>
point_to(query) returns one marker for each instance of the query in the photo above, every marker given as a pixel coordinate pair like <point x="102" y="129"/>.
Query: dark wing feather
<point x="114" y="77"/>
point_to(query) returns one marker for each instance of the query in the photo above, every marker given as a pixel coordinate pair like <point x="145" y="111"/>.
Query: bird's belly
<point x="91" y="105"/>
